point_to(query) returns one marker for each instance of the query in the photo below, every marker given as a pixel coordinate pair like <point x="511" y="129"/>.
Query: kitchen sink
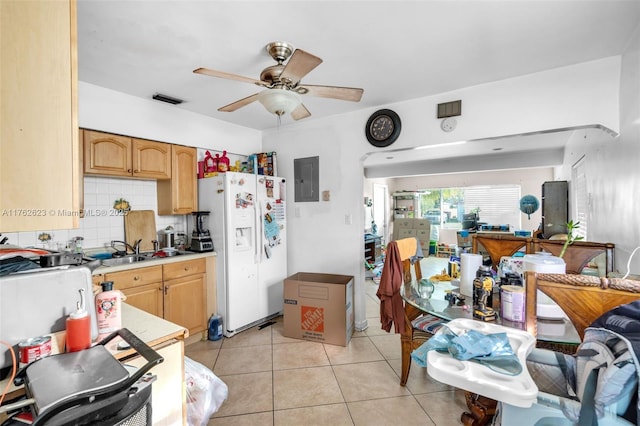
<point x="135" y="258"/>
<point x="124" y="260"/>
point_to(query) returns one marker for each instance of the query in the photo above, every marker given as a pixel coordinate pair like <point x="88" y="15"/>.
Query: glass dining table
<point x="557" y="334"/>
<point x="549" y="332"/>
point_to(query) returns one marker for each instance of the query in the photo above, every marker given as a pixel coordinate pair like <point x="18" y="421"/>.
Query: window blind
<point x="580" y="197"/>
<point x="498" y="204"/>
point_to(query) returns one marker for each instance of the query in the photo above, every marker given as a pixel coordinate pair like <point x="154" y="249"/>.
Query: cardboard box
<point x="319" y="307"/>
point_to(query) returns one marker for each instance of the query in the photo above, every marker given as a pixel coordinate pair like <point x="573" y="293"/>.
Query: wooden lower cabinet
<point x="174" y="291"/>
<point x="185" y="294"/>
<point x="168" y="402"/>
<point x="185" y="302"/>
<point x="148" y="297"/>
<point x="168" y="397"/>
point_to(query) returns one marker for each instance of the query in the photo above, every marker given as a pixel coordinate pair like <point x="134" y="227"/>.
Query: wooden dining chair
<point x="583" y="298"/>
<point x="498" y="245"/>
<point x="411" y="338"/>
<point x="578" y="254"/>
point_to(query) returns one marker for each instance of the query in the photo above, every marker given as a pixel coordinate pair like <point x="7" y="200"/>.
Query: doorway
<point x="380" y="209"/>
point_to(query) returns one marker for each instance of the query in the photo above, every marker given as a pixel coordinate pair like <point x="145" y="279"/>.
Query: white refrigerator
<point x="248" y="227"/>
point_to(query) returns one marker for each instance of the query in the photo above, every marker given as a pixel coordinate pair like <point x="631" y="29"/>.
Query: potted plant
<point x="571" y="238"/>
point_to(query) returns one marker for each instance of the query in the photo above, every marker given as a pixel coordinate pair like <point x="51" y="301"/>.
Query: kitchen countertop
<point x="150" y="329"/>
<point x="152" y="262"/>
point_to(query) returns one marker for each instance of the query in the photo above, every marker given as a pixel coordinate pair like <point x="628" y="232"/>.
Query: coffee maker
<point x="200" y="237"/>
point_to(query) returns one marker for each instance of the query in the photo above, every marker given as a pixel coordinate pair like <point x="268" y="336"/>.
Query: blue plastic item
<point x="215" y="327"/>
<point x="102" y="256"/>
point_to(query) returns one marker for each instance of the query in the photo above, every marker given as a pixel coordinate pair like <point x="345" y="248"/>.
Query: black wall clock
<point x="383" y="128"/>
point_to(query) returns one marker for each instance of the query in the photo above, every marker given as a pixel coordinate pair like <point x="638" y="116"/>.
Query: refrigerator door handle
<point x="257" y="238"/>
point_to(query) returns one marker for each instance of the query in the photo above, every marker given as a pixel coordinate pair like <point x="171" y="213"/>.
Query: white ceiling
<point x="395" y="50"/>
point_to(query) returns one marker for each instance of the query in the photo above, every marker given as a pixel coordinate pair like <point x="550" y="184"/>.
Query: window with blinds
<point x="580" y="197"/>
<point x="497" y="204"/>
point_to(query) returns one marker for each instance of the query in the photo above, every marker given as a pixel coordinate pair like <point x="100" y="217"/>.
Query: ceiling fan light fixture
<point x="279" y="101"/>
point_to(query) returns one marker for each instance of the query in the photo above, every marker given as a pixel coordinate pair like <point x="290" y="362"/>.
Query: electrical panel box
<point x="306" y="171"/>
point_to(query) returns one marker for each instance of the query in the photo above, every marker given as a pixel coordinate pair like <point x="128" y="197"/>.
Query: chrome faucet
<point x="135" y="248"/>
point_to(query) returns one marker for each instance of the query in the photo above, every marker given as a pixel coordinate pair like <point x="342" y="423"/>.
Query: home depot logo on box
<point x="312" y="318"/>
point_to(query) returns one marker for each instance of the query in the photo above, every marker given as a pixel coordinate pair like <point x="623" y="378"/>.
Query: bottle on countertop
<point x="215" y="327"/>
<point x="108" y="310"/>
<point x="78" y="327"/>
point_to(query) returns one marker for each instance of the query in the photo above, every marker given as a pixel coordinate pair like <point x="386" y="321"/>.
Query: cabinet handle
<point x="128" y="170"/>
<point x="166" y="290"/>
<point x="136" y="278"/>
<point x="186" y="268"/>
<point x="136" y="171"/>
<point x="175" y="210"/>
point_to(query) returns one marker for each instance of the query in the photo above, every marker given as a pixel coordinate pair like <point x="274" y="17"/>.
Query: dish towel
<point x="391" y="304"/>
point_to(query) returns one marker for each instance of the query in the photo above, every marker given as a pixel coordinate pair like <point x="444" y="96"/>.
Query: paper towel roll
<point x="469" y="264"/>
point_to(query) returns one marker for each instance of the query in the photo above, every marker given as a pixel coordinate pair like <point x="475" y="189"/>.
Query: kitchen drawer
<point x="135" y="277"/>
<point x="184" y="269"/>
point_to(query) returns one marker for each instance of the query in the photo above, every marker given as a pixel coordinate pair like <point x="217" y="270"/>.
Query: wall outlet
<point x="326" y="195"/>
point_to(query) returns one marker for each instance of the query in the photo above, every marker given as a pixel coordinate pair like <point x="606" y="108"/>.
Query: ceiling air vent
<point x="167" y="99"/>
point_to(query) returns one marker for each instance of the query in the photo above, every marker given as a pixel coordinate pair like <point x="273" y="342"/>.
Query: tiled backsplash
<point x="102" y="222"/>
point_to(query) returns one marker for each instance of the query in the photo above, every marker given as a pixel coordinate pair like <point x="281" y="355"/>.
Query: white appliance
<point x="248" y="227"/>
<point x="37" y="302"/>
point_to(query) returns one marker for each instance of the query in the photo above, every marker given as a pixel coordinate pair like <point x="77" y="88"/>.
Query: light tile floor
<point x="275" y="380"/>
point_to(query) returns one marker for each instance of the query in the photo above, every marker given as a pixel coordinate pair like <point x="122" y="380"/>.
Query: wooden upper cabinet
<point x="107" y="154"/>
<point x="151" y="159"/>
<point x="179" y="195"/>
<point x="39" y="188"/>
<point x="116" y="155"/>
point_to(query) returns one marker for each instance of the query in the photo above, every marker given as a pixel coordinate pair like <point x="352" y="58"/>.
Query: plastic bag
<point x="491" y="350"/>
<point x="205" y="392"/>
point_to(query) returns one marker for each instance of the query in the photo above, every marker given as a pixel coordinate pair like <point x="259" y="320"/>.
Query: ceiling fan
<point x="282" y="83"/>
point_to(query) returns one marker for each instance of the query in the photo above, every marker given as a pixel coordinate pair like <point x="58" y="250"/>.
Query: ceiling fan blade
<point x="300" y="64"/>
<point x="352" y="94"/>
<point x="229" y="76"/>
<point x="300" y="112"/>
<point x="239" y="104"/>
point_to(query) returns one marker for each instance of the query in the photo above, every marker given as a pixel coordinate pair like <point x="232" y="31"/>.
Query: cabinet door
<point x="185" y="268"/>
<point x="179" y="195"/>
<point x="148" y="297"/>
<point x="151" y="159"/>
<point x="185" y="302"/>
<point x="135" y="277"/>
<point x="38" y="116"/>
<point x="107" y="154"/>
<point x="168" y="403"/>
